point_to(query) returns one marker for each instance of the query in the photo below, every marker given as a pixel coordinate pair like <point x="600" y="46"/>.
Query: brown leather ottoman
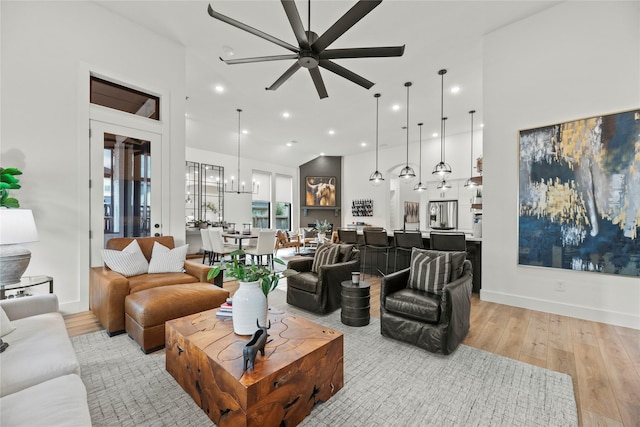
<point x="147" y="310"/>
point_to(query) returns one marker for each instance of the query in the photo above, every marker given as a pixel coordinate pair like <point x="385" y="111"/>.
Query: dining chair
<point x="219" y="248"/>
<point x="207" y="249"/>
<point x="264" y="246"/>
<point x="405" y="241"/>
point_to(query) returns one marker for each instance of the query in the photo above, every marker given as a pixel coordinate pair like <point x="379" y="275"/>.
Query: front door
<point x="124" y="203"/>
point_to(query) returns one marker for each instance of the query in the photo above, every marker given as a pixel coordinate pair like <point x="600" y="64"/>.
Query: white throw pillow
<point x="165" y="260"/>
<point x="6" y="327"/>
<point x="129" y="262"/>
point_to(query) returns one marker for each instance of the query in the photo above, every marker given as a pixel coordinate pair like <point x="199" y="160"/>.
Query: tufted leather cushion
<point x="147" y="281"/>
<point x="414" y="304"/>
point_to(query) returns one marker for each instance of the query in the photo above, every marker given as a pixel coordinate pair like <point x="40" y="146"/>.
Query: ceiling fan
<point x="312" y="52"/>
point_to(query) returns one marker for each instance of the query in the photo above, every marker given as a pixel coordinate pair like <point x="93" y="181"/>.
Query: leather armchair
<point x="437" y="323"/>
<point x="320" y="293"/>
<point x="108" y="289"/>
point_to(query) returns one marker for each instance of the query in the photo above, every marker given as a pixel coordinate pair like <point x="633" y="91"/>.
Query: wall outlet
<point x="561" y="286"/>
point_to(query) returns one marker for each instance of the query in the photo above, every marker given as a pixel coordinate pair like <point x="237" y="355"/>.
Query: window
<point x="260" y="214"/>
<point x="122" y="98"/>
<point x="284" y="197"/>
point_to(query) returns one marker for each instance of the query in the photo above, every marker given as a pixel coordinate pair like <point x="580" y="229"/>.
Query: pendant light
<point x="376" y="178"/>
<point x="407" y="174"/>
<point x="255" y="186"/>
<point x="419" y="186"/>
<point x="470" y="182"/>
<point x="442" y="169"/>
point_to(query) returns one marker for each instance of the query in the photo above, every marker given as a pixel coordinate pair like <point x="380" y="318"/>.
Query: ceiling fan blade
<point x="362" y="52"/>
<point x="283" y="78"/>
<point x="349" y="19"/>
<point x="343" y="72"/>
<point x="296" y="23"/>
<point x="258" y="59"/>
<point x="317" y="80"/>
<point x="251" y="30"/>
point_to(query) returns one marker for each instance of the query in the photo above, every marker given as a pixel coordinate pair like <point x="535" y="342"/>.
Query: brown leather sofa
<point x="108" y="289"/>
<point x="436" y="323"/>
<point x="320" y="293"/>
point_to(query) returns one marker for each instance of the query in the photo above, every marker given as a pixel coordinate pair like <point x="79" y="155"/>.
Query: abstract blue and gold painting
<point x="579" y="195"/>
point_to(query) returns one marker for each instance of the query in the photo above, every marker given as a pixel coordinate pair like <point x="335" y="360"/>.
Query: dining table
<point x="239" y="237"/>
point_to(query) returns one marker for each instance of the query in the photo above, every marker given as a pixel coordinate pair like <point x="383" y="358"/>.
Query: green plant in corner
<point x="248" y="272"/>
<point x="8" y="181"/>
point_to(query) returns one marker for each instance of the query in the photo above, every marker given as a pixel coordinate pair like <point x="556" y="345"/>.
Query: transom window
<point x="122" y="98"/>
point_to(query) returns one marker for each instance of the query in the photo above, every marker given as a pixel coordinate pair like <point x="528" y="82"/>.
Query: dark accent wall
<point x="329" y="166"/>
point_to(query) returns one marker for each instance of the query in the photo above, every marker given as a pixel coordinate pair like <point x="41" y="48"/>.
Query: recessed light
<point x="219" y="88"/>
<point x="332" y="132"/>
<point x="244" y="131"/>
<point x="289" y="144"/>
<point x="434" y="134"/>
<point x="395" y="107"/>
<point x="228" y="50"/>
<point x="455" y="89"/>
<point x="363" y="144"/>
<point x="322" y="154"/>
<point x="482" y="125"/>
<point x="286" y="115"/>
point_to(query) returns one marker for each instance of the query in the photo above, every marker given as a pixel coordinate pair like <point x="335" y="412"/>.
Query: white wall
<point x="578" y="59"/>
<point x="46" y="49"/>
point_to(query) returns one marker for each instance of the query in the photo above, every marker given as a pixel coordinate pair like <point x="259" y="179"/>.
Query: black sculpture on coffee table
<point x="258" y="340"/>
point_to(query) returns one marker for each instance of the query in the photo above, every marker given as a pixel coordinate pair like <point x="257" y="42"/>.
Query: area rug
<point x="387" y="383"/>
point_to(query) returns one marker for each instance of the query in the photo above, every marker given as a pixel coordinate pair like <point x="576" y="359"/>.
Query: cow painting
<point x="321" y="191"/>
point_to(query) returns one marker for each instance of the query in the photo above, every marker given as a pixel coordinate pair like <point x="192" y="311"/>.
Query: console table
<point x="26" y="282"/>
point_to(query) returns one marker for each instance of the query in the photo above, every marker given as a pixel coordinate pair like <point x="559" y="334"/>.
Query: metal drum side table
<point x="355" y="303"/>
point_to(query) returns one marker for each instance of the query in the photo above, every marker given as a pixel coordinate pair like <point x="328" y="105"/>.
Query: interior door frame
<point x="103" y="119"/>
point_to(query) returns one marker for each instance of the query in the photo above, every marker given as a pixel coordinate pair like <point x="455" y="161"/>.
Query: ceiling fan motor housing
<point x="308" y="59"/>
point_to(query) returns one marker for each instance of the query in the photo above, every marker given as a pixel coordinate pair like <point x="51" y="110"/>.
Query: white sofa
<point x="39" y="372"/>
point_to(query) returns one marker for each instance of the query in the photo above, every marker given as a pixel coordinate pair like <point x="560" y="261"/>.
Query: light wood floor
<point x="603" y="360"/>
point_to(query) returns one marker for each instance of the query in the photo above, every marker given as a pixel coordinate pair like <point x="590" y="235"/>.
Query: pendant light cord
<point x="420" y="132"/>
<point x="408" y="85"/>
<point x="442" y="118"/>
<point x="377" y="95"/>
<point x="239" y="111"/>
<point x="472" y="112"/>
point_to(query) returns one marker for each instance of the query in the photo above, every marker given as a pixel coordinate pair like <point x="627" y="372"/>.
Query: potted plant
<point x="250" y="300"/>
<point x="322" y="228"/>
<point x="8" y="181"/>
<point x="201" y="223"/>
<point x="478" y="198"/>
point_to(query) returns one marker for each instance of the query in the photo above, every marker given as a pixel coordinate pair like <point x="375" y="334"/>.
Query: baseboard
<point x="571" y="310"/>
<point x="71" y="307"/>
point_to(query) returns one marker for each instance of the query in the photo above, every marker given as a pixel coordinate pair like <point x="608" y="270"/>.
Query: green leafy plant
<point x="252" y="272"/>
<point x="322" y="227"/>
<point x="8" y="181"/>
<point x="211" y="207"/>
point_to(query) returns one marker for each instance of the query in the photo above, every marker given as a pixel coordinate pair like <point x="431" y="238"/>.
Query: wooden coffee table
<point x="302" y="366"/>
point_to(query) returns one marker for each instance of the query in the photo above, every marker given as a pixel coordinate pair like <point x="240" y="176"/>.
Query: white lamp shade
<point x="17" y="226"/>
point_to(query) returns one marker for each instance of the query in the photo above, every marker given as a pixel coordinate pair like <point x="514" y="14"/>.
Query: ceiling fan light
<point x="376" y="179"/>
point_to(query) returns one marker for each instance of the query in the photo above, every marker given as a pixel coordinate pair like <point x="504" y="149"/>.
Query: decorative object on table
<point x="16" y="226"/>
<point x="255" y="345"/>
<point x="407" y="173"/>
<point x="355" y="278"/>
<point x="311" y="52"/>
<point x="322" y="228"/>
<point x="8" y="181"/>
<point x="579" y="198"/>
<point x="376" y="178"/>
<point x="255" y="283"/>
<point x="320" y="190"/>
<point x="362" y="207"/>
<point x="226" y="309"/>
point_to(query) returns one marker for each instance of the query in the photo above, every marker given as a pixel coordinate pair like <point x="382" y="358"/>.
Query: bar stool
<point x="448" y="241"/>
<point x="378" y="242"/>
<point x="348" y="236"/>
<point x="405" y="241"/>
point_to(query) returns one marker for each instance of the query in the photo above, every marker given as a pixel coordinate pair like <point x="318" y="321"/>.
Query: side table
<point x="355" y="303"/>
<point x="26" y="282"/>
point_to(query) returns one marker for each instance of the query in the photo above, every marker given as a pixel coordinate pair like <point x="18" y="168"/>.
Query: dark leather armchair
<point x="437" y="323"/>
<point x="320" y="292"/>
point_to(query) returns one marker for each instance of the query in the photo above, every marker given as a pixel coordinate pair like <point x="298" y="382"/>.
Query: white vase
<point x="249" y="306"/>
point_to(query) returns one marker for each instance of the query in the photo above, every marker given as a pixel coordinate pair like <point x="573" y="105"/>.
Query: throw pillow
<point x="6" y="327"/>
<point x="129" y="262"/>
<point x="325" y="255"/>
<point x="429" y="274"/>
<point x="457" y="260"/>
<point x="165" y="260"/>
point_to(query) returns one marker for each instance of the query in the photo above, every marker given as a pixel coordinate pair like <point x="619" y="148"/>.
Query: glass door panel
<point x="122" y="196"/>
